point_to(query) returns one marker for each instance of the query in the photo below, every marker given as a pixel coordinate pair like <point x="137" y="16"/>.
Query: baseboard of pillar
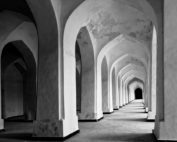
<point x="146" y="109"/>
<point x="91" y="120"/>
<point x="35" y="138"/>
<point x="90" y="116"/>
<point x="2" y="124"/>
<point x="55" y="128"/>
<point x="162" y="133"/>
<point x="108" y="112"/>
<point x="48" y="128"/>
<point x="151" y="116"/>
<point x="116" y="108"/>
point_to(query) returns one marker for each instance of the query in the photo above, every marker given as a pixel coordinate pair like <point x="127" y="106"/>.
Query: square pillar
<point x="166" y="118"/>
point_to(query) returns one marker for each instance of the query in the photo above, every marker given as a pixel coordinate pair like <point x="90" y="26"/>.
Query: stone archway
<point x="24" y="37"/>
<point x="18" y="79"/>
<point x="87" y="76"/>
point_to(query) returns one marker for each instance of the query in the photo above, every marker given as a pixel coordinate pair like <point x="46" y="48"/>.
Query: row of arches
<point x="88" y="60"/>
<point x="111" y="53"/>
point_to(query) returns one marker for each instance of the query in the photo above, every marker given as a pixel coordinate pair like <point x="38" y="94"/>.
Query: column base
<point x="108" y="111"/>
<point x="121" y="105"/>
<point x="146" y="109"/>
<point x="116" y="108"/>
<point x="160" y="132"/>
<point x="90" y="116"/>
<point x="151" y="116"/>
<point x="48" y="128"/>
<point x="1" y="124"/>
<point x="55" y="128"/>
<point x="164" y="131"/>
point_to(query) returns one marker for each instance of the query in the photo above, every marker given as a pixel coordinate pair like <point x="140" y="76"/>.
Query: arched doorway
<point x="138" y="93"/>
<point x="18" y="79"/>
<point x="85" y="77"/>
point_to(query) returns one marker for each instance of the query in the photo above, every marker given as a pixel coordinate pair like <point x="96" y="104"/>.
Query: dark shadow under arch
<point x="78" y="77"/>
<point x="18" y="79"/>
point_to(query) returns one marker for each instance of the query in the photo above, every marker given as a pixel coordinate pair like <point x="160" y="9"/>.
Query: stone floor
<point x="125" y="125"/>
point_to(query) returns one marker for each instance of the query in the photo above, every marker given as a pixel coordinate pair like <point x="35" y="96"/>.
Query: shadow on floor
<point x="27" y="137"/>
<point x="134" y="112"/>
<point x="133" y="107"/>
<point x="117" y="127"/>
<point x="125" y="138"/>
<point x="19" y="136"/>
<point x="127" y="119"/>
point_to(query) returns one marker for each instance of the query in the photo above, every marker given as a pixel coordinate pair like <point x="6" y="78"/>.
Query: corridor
<point x="129" y="124"/>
